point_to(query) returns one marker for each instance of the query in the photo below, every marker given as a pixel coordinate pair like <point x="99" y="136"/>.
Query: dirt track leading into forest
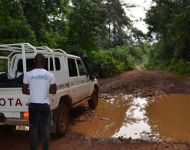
<point x="145" y="83"/>
<point x="136" y="83"/>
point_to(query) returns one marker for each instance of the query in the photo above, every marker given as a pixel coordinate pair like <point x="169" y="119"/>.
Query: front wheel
<point x="62" y="119"/>
<point x="93" y="102"/>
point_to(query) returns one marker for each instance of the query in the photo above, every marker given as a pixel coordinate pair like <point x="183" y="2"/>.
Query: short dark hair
<point x="39" y="59"/>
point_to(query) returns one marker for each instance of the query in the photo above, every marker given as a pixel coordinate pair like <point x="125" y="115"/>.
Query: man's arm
<point x="25" y="89"/>
<point x="53" y="89"/>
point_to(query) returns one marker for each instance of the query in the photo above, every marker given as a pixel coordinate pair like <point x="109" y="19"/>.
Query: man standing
<point x="38" y="83"/>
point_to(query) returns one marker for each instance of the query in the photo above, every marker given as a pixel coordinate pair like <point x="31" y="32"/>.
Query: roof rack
<point x="24" y="48"/>
<point x="44" y="48"/>
<point x="19" y="47"/>
<point x="60" y="50"/>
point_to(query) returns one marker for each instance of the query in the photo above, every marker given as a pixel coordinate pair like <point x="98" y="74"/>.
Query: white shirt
<point x="39" y="81"/>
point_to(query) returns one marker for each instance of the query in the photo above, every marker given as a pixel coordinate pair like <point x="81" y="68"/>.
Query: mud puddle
<point x="104" y="121"/>
<point x="121" y="116"/>
<point x="170" y="116"/>
<point x="157" y="118"/>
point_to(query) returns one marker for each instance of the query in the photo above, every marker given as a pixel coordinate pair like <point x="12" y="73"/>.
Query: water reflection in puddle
<point x="105" y="121"/>
<point x="136" y="123"/>
<point x="139" y="118"/>
<point x="122" y="116"/>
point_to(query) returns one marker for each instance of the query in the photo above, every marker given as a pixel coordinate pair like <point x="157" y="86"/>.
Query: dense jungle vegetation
<point x="101" y="30"/>
<point x="169" y="25"/>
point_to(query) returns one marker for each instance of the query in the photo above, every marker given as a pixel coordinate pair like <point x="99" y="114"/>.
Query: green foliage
<point x="114" y="21"/>
<point x="98" y="28"/>
<point x="84" y="25"/>
<point x="110" y="62"/>
<point x="35" y="13"/>
<point x="13" y="25"/>
<point x="169" y="22"/>
<point x="16" y="31"/>
<point x="103" y="63"/>
<point x="180" y="67"/>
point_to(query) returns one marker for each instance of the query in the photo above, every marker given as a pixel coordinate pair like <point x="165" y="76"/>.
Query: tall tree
<point x="13" y="24"/>
<point x="169" y="21"/>
<point x="34" y="10"/>
<point x="115" y="22"/>
<point x="84" y="25"/>
<point x="97" y="23"/>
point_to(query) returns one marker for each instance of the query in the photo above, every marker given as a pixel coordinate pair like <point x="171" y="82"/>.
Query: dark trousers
<point x="39" y="122"/>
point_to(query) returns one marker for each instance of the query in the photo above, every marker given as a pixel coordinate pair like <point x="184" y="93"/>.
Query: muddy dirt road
<point x="145" y="83"/>
<point x="122" y="104"/>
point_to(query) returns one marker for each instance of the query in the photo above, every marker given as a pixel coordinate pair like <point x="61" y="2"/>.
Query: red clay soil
<point x="20" y="141"/>
<point x="145" y="83"/>
<point x="140" y="83"/>
<point x="74" y="142"/>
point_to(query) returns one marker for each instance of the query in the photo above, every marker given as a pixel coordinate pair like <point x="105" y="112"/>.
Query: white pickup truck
<point x="74" y="82"/>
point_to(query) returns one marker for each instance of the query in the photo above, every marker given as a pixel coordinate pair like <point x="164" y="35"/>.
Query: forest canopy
<point x="97" y="28"/>
<point x="101" y="30"/>
<point x="169" y="23"/>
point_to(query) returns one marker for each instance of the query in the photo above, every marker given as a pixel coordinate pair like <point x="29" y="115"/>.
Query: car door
<point x="57" y="67"/>
<point x="85" y="82"/>
<point x="75" y="90"/>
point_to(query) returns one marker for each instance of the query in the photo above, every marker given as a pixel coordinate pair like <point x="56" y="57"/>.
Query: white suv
<point x="74" y="82"/>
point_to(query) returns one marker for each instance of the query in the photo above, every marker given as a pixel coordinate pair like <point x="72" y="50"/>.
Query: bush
<point x="103" y="64"/>
<point x="16" y="31"/>
<point x="181" y="67"/>
<point x="156" y="61"/>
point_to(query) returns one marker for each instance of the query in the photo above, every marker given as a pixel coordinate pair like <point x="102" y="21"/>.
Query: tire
<point x="62" y="119"/>
<point x="93" y="102"/>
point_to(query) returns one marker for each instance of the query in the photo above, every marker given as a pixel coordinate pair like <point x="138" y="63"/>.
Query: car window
<point x="82" y="69"/>
<point x="57" y="64"/>
<point x="51" y="64"/>
<point x="3" y="65"/>
<point x="30" y="65"/>
<point x="72" y="67"/>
